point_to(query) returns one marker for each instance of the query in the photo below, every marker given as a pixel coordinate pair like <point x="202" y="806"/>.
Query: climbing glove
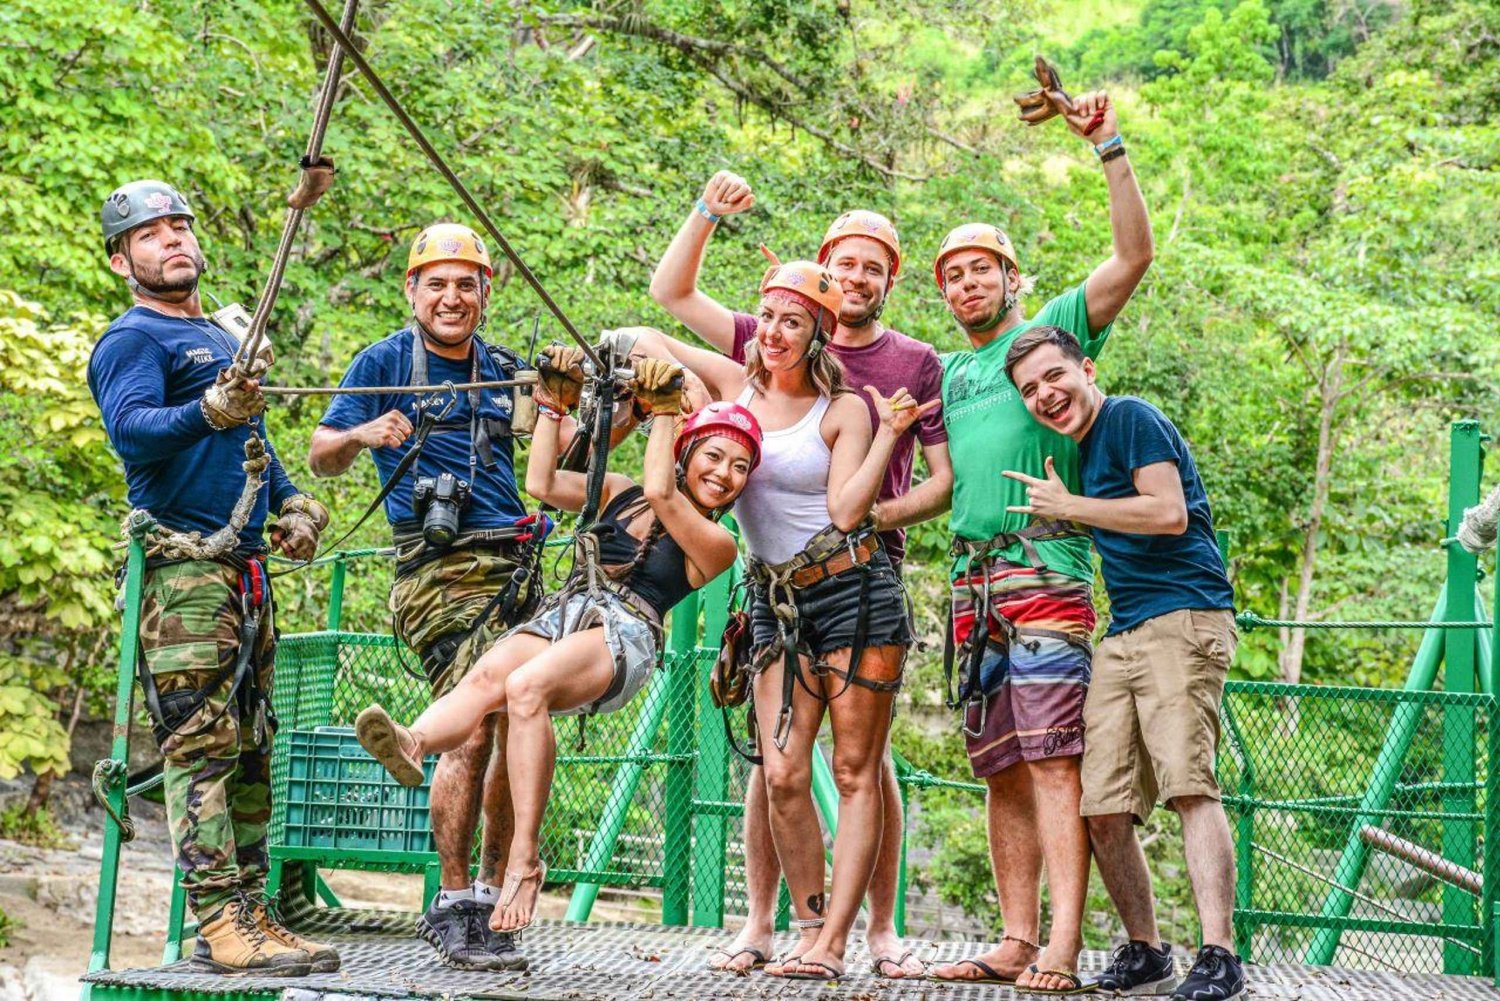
<point x="299" y="526"/>
<point x="561" y="368"/>
<point x="232" y="400"/>
<point x="1039" y="105"/>
<point x="658" y="384"/>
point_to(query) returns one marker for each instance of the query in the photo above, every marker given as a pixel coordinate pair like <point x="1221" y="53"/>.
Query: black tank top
<point x="661" y="578"/>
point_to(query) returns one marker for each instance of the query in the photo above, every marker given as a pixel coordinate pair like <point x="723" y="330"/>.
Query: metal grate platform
<point x="606" y="962"/>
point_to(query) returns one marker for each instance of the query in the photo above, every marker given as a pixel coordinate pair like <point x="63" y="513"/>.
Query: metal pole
<point x="1398" y="737"/>
<point x="621" y="792"/>
<point x="119" y="751"/>
<point x="1459" y="750"/>
<point x="711" y="830"/>
<point x="677" y="825"/>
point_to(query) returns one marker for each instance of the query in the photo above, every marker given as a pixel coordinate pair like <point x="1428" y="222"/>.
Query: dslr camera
<point x="437" y="501"/>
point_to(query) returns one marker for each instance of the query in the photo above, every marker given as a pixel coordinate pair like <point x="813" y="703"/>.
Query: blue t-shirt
<point x="1150" y="575"/>
<point x="495" y="501"/>
<point x="148" y="373"/>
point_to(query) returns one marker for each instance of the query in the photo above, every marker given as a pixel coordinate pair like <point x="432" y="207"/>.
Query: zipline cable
<point x="307" y="193"/>
<point x="342" y="37"/>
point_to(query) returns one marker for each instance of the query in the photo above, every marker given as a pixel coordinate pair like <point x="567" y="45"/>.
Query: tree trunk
<point x="1331" y="392"/>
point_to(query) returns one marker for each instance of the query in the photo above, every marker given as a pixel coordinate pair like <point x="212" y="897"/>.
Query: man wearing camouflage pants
<point x="189" y="435"/>
<point x="461" y="534"/>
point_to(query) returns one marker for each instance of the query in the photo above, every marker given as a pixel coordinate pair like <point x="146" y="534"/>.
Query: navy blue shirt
<point x="1150" y="575"/>
<point x="495" y="502"/>
<point x="148" y="373"/>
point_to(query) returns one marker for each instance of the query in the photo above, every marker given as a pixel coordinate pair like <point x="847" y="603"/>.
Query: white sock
<point x="447" y="898"/>
<point x="486" y="894"/>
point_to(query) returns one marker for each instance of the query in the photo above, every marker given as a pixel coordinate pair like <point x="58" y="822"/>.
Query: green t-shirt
<point x="990" y="430"/>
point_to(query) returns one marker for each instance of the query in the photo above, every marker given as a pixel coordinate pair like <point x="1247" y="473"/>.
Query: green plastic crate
<point x="337" y="796"/>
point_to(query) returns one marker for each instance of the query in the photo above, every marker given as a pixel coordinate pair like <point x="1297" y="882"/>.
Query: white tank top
<point x="785" y="501"/>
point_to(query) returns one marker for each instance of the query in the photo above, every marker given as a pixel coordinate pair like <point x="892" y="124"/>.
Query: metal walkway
<point x="607" y="962"/>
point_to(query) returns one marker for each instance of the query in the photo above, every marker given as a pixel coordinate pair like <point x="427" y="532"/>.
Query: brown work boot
<point x="325" y="958"/>
<point x="234" y="943"/>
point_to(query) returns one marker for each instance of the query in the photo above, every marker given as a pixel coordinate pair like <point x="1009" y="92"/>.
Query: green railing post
<point x="677" y="829"/>
<point x="119" y="752"/>
<point x="1489" y="898"/>
<point x="901" y="881"/>
<point x="336" y="593"/>
<point x="1459" y="676"/>
<point x="1398" y="737"/>
<point x="711" y="829"/>
<point x="825" y="791"/>
<point x="621" y="792"/>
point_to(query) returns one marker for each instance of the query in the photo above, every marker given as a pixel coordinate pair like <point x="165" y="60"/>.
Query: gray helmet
<point x="136" y="204"/>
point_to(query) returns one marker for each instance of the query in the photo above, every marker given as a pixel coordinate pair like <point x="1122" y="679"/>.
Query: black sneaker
<point x="502" y="946"/>
<point x="457" y="934"/>
<point x="1137" y="970"/>
<point x="1216" y="976"/>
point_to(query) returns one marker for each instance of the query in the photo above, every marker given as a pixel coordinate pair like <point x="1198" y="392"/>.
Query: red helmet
<point x="730" y="420"/>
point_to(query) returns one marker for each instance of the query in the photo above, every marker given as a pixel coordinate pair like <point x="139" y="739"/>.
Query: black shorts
<point x="829" y="611"/>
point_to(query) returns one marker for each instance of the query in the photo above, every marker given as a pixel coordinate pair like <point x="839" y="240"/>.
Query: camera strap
<point x="480" y="447"/>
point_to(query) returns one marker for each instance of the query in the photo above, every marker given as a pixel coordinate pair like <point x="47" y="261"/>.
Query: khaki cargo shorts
<point x="1151" y="718"/>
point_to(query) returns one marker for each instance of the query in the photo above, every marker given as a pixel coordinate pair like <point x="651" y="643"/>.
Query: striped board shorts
<point x="1033" y="684"/>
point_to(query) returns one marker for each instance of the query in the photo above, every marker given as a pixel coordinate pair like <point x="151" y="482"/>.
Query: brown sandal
<point x="512" y="889"/>
<point x="382" y="737"/>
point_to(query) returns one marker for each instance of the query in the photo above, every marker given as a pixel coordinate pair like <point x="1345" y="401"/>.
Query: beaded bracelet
<point x="702" y="208"/>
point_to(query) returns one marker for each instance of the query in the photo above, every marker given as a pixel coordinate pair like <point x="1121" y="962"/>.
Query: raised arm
<point x="723" y="377"/>
<point x="927" y="499"/>
<point x="1113" y="282"/>
<point x="859" y="463"/>
<point x="709" y="547"/>
<point x="674" y="284"/>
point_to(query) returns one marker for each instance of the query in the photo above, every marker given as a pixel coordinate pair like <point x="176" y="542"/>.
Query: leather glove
<point x="1050" y="101"/>
<point x="658" y="384"/>
<point x="561" y="368"/>
<point x="299" y="526"/>
<point x="231" y="401"/>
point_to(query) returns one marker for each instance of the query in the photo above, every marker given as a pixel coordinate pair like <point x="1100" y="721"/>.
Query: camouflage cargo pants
<point x="445" y="596"/>
<point x="217" y="782"/>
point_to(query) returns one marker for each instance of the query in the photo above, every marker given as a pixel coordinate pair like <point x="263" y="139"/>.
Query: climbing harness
<point x="170" y="545"/>
<point x="828" y="553"/>
<point x="969" y="689"/>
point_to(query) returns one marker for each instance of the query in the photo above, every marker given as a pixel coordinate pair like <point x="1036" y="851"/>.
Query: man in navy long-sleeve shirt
<point x="206" y="631"/>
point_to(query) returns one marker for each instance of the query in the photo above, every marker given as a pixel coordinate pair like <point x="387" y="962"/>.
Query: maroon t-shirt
<point x="894" y="361"/>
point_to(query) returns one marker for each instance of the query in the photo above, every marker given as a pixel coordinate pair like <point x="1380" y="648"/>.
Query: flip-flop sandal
<point x="781" y="964"/>
<point x="834" y="975"/>
<point x="380" y="735"/>
<point x="899" y="962"/>
<point x="512" y="888"/>
<point x="729" y="957"/>
<point x="1075" y="984"/>
<point x="991" y="975"/>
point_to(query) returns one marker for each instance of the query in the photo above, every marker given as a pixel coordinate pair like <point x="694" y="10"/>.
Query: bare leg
<point x="795" y="831"/>
<point x="1016" y="858"/>
<point x="762" y="877"/>
<point x="861" y="721"/>
<point x="1122" y="866"/>
<point x="450" y="722"/>
<point x="499" y="816"/>
<point x="454" y="804"/>
<point x="1066" y="850"/>
<point x="1210" y="863"/>
<point x="571" y="672"/>
<point x="880" y="933"/>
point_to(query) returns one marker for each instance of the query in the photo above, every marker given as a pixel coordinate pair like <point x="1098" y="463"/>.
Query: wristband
<point x="548" y="412"/>
<point x="702" y="209"/>
<point x="1113" y="154"/>
<point x="1108" y="145"/>
<point x="208" y="417"/>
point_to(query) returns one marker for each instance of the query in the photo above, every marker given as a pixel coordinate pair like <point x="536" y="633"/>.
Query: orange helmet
<point x="811" y="281"/>
<point x="448" y="241"/>
<point x="974" y="236"/>
<point x="871" y="225"/>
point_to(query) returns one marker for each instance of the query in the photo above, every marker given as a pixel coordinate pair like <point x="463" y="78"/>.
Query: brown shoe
<point x="391" y="744"/>
<point x="325" y="958"/>
<point x="233" y="943"/>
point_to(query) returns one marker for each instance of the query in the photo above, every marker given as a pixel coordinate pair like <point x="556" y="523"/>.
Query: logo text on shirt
<point x="200" y="356"/>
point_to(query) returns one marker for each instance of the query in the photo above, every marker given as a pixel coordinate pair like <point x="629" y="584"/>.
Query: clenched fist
<point x="728" y="194"/>
<point x="561" y="368"/>
<point x="389" y="430"/>
<point x="658" y="384"/>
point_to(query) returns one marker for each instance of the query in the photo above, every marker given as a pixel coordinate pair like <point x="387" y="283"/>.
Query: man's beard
<point x="154" y="281"/>
<point x="870" y="314"/>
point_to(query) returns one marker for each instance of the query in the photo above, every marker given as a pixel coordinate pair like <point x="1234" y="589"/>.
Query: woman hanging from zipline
<point x="593" y="644"/>
<point x="828" y="616"/>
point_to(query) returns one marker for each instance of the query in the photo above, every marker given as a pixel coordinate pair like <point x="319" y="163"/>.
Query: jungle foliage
<point x="1322" y="176"/>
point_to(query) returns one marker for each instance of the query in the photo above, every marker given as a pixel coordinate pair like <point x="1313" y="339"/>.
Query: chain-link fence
<point x="1359" y="818"/>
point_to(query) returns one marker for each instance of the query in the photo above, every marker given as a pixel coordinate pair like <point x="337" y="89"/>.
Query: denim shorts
<point x="631" y="639"/>
<point x="829" y="611"/>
